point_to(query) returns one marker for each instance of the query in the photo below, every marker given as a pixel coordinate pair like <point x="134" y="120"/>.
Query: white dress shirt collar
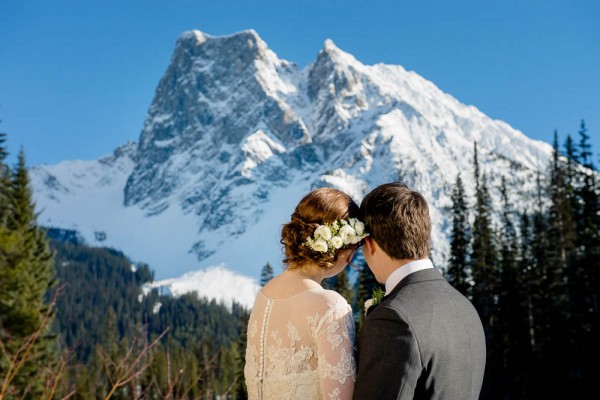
<point x="405" y="270"/>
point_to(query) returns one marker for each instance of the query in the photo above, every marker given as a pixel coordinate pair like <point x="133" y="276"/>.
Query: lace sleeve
<point x="334" y="337"/>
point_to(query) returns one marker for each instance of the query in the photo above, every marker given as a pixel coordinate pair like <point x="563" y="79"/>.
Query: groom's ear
<point x="370" y="243"/>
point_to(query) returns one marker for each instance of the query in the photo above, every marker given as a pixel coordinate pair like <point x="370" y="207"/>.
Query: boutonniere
<point x="378" y="294"/>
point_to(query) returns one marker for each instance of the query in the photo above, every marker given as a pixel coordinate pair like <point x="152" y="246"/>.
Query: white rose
<point x="359" y="227"/>
<point x="352" y="222"/>
<point x="319" y="245"/>
<point x="368" y="304"/>
<point x="323" y="231"/>
<point x="348" y="234"/>
<point x="337" y="242"/>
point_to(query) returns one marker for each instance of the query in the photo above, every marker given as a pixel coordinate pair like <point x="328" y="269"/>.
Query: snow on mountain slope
<point x="235" y="137"/>
<point x="213" y="283"/>
<point x="87" y="196"/>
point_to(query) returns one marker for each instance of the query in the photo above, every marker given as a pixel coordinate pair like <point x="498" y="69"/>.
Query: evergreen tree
<point x="483" y="254"/>
<point x="588" y="229"/>
<point x="572" y="159"/>
<point x="342" y="286"/>
<point x="560" y="257"/>
<point x="4" y="181"/>
<point x="240" y="391"/>
<point x="3" y="150"/>
<point x="485" y="275"/>
<point x="329" y="283"/>
<point x="459" y="240"/>
<point x="585" y="148"/>
<point x="26" y="276"/>
<point x="512" y="315"/>
<point x="109" y="339"/>
<point x="540" y="296"/>
<point x="561" y="213"/>
<point x="4" y="196"/>
<point x="571" y="174"/>
<point x="266" y="274"/>
<point x="527" y="272"/>
<point x="586" y="274"/>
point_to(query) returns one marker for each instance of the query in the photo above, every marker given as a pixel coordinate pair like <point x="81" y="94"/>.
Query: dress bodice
<point x="301" y="347"/>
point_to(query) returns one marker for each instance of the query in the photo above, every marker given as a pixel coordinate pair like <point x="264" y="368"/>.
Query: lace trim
<point x="332" y="337"/>
<point x="335" y="394"/>
<point x="293" y="333"/>
<point x="343" y="370"/>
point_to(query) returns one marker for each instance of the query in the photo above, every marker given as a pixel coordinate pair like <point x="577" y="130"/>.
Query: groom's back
<point x="424" y="341"/>
<point x="449" y="335"/>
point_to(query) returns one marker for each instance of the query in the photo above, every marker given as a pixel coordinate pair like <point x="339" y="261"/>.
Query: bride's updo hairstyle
<point x="321" y="206"/>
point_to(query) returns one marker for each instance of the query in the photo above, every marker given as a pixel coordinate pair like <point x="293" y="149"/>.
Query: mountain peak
<point x="198" y="37"/>
<point x="249" y="36"/>
<point x="249" y="33"/>
<point x="329" y="46"/>
<point x="339" y="70"/>
<point x="338" y="56"/>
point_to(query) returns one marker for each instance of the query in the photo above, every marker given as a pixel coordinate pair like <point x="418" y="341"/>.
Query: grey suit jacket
<point x="424" y="341"/>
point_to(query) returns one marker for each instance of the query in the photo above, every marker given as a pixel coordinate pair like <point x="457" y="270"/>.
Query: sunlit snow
<point x="212" y="283"/>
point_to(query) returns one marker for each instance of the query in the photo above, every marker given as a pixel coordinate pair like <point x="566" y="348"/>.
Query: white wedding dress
<point x="301" y="347"/>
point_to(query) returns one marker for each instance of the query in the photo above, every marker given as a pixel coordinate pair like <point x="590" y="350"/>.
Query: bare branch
<point x="135" y="369"/>
<point x="23" y="353"/>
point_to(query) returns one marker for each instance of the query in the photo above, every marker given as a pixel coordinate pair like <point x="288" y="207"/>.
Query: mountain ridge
<point x="234" y="138"/>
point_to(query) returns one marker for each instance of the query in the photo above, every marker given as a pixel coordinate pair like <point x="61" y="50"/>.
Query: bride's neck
<point x="306" y="273"/>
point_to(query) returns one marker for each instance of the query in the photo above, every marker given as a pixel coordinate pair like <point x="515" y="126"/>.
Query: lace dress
<point x="301" y="347"/>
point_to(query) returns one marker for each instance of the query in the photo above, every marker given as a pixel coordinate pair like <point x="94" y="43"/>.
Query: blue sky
<point x="77" y="77"/>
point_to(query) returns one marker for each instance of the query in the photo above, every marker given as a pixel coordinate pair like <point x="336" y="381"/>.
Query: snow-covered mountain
<point x="236" y="136"/>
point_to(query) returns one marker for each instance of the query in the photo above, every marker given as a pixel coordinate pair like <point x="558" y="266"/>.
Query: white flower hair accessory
<point x="336" y="235"/>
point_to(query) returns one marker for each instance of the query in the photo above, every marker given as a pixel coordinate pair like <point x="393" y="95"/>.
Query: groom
<point x="425" y="339"/>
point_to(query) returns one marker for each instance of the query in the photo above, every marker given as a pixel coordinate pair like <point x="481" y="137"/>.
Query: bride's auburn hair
<point x="321" y="206"/>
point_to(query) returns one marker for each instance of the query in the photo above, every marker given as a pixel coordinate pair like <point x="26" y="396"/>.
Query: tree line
<point x="534" y="276"/>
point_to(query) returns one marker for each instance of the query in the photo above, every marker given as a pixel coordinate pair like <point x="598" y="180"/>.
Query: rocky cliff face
<point x="235" y="136"/>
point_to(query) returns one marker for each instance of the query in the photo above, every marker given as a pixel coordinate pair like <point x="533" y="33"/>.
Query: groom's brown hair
<point x="397" y="218"/>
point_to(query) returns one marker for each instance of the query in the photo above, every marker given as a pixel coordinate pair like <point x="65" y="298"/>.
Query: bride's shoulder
<point x="332" y="295"/>
<point x="328" y="298"/>
<point x="327" y="305"/>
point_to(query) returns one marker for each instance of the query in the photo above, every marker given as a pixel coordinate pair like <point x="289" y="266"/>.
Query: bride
<point x="300" y="336"/>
